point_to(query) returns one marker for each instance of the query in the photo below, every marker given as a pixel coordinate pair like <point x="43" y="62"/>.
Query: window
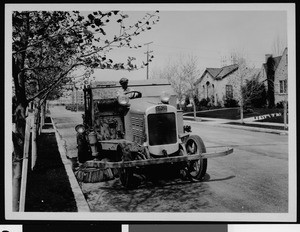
<point x="229" y="92"/>
<point x="283" y="86"/>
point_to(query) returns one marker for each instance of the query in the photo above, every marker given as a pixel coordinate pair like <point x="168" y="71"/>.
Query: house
<point x="281" y="78"/>
<point x="219" y="84"/>
<point x="278" y="76"/>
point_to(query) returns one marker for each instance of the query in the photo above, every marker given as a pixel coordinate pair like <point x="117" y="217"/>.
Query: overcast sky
<point x="207" y="31"/>
<point x="208" y="35"/>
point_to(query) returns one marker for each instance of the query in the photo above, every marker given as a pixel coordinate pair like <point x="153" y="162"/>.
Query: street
<point x="252" y="179"/>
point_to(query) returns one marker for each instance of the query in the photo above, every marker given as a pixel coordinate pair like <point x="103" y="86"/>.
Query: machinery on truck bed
<point x="135" y="136"/>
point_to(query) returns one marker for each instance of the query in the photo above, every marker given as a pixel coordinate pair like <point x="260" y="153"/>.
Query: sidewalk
<point x="252" y="125"/>
<point x="49" y="187"/>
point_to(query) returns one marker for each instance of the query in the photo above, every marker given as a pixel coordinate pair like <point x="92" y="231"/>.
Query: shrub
<point x="204" y="102"/>
<point x="254" y="93"/>
<point x="186" y="101"/>
<point x="280" y="105"/>
<point x="215" y="107"/>
<point x="185" y="108"/>
<point x="231" y="102"/>
<point x="248" y="111"/>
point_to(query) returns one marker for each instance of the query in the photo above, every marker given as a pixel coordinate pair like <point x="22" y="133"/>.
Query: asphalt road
<point x="252" y="179"/>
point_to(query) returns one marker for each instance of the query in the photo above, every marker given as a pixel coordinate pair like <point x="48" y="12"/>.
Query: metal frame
<point x="164" y="160"/>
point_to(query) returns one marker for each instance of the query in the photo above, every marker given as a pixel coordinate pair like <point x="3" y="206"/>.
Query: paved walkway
<point x="52" y="186"/>
<point x="252" y="124"/>
<point x="48" y="187"/>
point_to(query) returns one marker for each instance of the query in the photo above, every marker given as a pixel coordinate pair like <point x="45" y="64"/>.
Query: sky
<point x="206" y="31"/>
<point x="208" y="35"/>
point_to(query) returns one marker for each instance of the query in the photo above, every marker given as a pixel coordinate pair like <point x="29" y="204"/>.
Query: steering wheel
<point x="135" y="94"/>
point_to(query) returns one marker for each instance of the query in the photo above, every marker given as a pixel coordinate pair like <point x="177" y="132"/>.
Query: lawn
<point x="233" y="113"/>
<point x="278" y="119"/>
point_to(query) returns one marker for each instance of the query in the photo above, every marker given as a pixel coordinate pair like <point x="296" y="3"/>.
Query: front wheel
<point x="126" y="174"/>
<point x="196" y="168"/>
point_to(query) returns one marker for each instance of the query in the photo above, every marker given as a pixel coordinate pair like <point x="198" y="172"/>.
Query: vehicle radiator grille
<point x="138" y="132"/>
<point x="162" y="128"/>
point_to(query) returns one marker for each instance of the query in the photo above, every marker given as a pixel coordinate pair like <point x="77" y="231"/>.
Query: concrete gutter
<point x="223" y="123"/>
<point x="81" y="202"/>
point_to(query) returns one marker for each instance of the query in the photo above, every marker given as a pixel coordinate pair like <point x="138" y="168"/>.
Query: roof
<point x="225" y="71"/>
<point x="219" y="73"/>
<point x="213" y="71"/>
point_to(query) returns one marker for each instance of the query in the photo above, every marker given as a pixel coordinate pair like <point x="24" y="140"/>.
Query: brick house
<point x="280" y="70"/>
<point x="219" y="84"/>
<point x="281" y="78"/>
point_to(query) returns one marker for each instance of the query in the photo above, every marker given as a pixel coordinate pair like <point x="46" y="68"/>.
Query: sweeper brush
<point x="93" y="175"/>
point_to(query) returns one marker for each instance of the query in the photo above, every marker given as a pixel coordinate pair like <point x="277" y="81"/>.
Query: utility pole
<point x="148" y="57"/>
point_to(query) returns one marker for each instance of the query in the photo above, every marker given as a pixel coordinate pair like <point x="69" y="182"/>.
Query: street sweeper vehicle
<point x="134" y="135"/>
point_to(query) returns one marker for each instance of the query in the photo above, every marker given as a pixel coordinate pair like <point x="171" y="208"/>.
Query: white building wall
<point x="235" y="82"/>
<point x="219" y="90"/>
<point x="202" y="91"/>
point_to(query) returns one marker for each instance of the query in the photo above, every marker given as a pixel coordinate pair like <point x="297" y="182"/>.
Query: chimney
<point x="267" y="56"/>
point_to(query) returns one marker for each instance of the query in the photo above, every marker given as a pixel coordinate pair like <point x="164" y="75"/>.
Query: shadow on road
<point x="207" y="178"/>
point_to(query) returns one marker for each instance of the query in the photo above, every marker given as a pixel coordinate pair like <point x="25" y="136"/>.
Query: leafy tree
<point x="49" y="46"/>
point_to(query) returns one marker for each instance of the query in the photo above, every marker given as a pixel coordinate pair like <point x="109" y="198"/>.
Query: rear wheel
<point x="196" y="168"/>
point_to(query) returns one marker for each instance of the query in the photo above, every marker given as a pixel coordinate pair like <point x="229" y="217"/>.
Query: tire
<point x="197" y="169"/>
<point x="126" y="174"/>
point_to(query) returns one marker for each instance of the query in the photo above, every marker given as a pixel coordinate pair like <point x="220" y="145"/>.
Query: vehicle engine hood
<point x="140" y="105"/>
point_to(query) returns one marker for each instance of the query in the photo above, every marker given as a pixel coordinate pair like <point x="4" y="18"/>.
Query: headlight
<point x="80" y="128"/>
<point x="123" y="100"/>
<point x="165" y="97"/>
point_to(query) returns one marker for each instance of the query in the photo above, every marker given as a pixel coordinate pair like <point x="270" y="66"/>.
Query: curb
<point x="248" y="128"/>
<point x="81" y="202"/>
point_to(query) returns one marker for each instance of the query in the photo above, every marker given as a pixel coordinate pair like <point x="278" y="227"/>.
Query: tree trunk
<point x="18" y="143"/>
<point x="42" y="115"/>
<point x="194" y="106"/>
<point x="242" y="113"/>
<point x="16" y="184"/>
<point x="19" y="115"/>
